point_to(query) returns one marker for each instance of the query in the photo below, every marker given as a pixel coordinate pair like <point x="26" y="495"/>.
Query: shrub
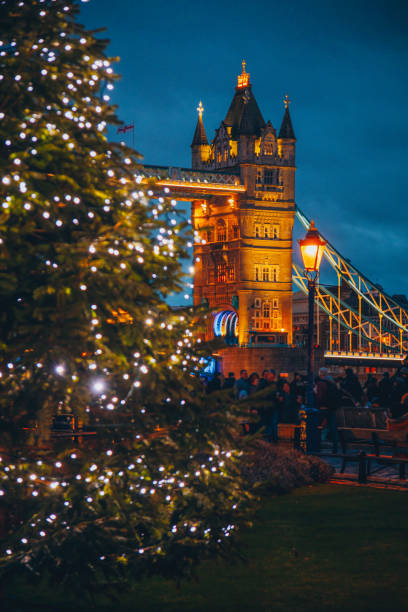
<point x="279" y="470"/>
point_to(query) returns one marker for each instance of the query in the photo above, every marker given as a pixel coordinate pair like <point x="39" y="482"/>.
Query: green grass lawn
<point x="320" y="548"/>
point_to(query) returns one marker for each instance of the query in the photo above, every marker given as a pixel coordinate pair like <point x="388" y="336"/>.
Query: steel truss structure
<point x="370" y="319"/>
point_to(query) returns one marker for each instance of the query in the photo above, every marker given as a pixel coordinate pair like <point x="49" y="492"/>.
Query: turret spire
<point x="286" y="130"/>
<point x="200" y="137"/>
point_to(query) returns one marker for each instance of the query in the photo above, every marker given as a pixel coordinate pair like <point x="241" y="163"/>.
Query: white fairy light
<point x="98" y="385"/>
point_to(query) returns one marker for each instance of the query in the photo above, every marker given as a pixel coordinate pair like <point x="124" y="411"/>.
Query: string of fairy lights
<point x="69" y="122"/>
<point x="99" y="480"/>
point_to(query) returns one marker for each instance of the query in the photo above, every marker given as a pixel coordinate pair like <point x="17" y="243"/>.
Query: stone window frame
<point x="269" y="177"/>
<point x="230" y="273"/>
<point x="268" y="147"/>
<point x="221" y="272"/>
<point x="266" y="310"/>
<point x="266" y="273"/>
<point x="221" y="231"/>
<point x="275" y="273"/>
<point x="210" y="234"/>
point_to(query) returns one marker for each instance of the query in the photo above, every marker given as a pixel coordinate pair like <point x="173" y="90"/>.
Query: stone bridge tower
<point x="243" y="249"/>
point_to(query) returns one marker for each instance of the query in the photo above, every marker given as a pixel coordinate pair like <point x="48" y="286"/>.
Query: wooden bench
<point x="347" y="439"/>
<point x="399" y="447"/>
<point x="360" y="458"/>
<point x="386" y="461"/>
<point x="397" y="458"/>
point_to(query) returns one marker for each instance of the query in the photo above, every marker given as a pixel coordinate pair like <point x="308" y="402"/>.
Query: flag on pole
<point x="125" y="128"/>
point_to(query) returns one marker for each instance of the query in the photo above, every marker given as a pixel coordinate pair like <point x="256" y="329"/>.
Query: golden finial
<point x="200" y="109"/>
<point x="243" y="79"/>
<point x="286" y="101"/>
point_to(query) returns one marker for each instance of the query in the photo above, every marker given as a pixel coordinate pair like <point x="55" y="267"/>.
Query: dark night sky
<point x="343" y="63"/>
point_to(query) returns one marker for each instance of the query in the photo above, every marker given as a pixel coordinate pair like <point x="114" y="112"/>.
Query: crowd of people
<point x="278" y="399"/>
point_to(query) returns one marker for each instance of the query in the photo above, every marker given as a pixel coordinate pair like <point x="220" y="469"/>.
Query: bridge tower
<point x="243" y="249"/>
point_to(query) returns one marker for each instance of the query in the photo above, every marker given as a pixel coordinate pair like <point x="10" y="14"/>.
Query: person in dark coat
<point x="214" y="384"/>
<point x="399" y="389"/>
<point x="285" y="400"/>
<point x="269" y="411"/>
<point x="298" y="395"/>
<point x="371" y="388"/>
<point x="263" y="381"/>
<point x="229" y="382"/>
<point x="298" y="385"/>
<point x="327" y="401"/>
<point x="241" y="387"/>
<point x="384" y="389"/>
<point x="253" y="382"/>
<point x="352" y="386"/>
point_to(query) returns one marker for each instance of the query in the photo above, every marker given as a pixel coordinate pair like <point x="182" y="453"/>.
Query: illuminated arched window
<point x="221" y="230"/>
<point x="268" y="147"/>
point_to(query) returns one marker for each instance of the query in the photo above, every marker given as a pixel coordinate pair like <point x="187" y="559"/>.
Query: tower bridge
<point x="241" y="187"/>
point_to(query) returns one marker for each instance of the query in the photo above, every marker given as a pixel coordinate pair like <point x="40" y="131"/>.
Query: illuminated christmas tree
<point x="88" y="256"/>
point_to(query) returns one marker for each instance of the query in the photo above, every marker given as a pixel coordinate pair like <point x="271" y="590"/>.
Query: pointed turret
<point x="200" y="137"/>
<point x="286" y="131"/>
<point x="244" y="116"/>
<point x="200" y="147"/>
<point x="287" y="152"/>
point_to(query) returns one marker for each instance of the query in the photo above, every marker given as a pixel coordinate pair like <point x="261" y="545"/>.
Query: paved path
<point x="386" y="474"/>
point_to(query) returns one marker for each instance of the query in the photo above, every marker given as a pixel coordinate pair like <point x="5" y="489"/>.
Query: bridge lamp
<point x="311" y="248"/>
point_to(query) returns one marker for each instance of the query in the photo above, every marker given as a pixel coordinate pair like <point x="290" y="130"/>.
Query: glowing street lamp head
<point x="311" y="248"/>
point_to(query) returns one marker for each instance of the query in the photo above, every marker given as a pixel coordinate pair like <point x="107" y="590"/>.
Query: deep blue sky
<point x="343" y="63"/>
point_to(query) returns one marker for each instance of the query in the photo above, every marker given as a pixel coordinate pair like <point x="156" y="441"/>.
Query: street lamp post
<point x="311" y="248"/>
